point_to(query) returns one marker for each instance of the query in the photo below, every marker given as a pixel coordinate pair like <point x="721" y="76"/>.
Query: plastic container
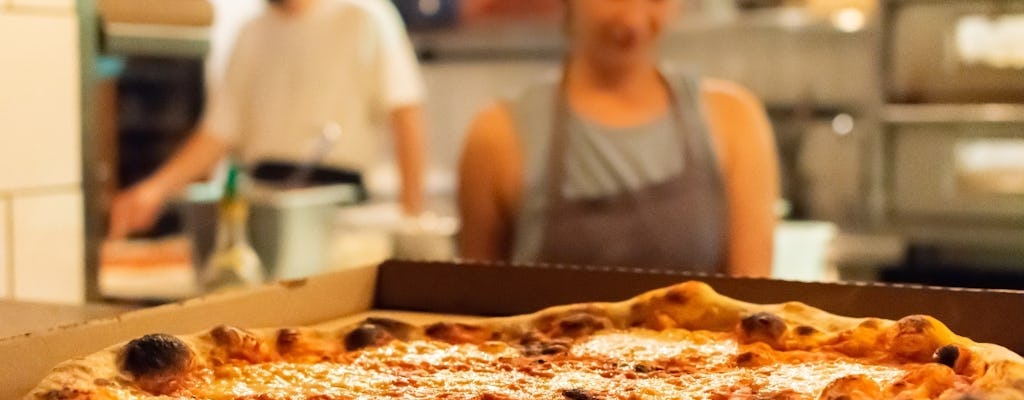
<point x="290" y="229"/>
<point x="801" y="250"/>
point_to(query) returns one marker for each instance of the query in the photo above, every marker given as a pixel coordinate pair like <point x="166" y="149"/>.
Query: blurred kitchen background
<point x="899" y="124"/>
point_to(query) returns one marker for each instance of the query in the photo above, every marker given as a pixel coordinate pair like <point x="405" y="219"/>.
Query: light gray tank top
<point x="602" y="161"/>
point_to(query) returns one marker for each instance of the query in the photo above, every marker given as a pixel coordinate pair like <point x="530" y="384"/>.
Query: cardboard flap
<point x="992" y="316"/>
<point x="28" y="358"/>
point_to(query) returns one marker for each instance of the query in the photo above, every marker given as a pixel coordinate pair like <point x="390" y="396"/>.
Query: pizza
<point x="679" y="342"/>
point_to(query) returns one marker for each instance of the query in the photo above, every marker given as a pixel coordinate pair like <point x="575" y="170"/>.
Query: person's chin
<point x="621" y="59"/>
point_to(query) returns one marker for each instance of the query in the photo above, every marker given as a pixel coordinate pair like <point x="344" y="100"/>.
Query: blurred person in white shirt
<point x="293" y="69"/>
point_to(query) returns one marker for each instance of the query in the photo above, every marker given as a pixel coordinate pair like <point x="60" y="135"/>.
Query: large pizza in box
<point x="680" y="342"/>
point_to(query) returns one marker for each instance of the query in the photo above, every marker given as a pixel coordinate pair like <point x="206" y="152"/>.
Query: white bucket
<point x="801" y="250"/>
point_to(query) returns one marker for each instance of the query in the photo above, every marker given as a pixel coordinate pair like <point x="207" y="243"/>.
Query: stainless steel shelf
<point x="953" y="113"/>
<point x="128" y="39"/>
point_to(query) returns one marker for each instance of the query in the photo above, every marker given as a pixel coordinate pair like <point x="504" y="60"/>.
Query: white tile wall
<point x="55" y="5"/>
<point x="461" y="90"/>
<point x="5" y="252"/>
<point x="39" y="144"/>
<point x="48" y="247"/>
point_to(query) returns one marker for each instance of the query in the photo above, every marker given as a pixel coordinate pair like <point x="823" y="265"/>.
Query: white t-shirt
<point x="345" y="61"/>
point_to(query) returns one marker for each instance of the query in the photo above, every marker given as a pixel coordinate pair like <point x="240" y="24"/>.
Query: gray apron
<point x="677" y="224"/>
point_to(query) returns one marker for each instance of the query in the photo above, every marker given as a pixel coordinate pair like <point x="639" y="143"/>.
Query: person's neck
<point x="617" y="96"/>
<point x="627" y="80"/>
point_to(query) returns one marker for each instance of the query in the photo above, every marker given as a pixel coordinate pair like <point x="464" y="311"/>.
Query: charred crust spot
<point x="677" y="295"/>
<point x="947" y="355"/>
<point x="804" y="330"/>
<point x="578" y="394"/>
<point x="287" y="338"/>
<point x="154" y="354"/>
<point x="438" y="330"/>
<point x="744" y="359"/>
<point x="366" y="335"/>
<point x="763" y="326"/>
<point x="375" y="331"/>
<point x="643" y="368"/>
<point x="400" y="330"/>
<point x="580" y="323"/>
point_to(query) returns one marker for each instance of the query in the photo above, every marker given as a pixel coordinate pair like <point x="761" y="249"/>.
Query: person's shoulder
<point x="539" y="90"/>
<point x="494" y="117"/>
<point x="724" y="92"/>
<point x="252" y="32"/>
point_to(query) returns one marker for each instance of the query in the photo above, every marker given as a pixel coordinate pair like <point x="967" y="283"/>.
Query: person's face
<point x="618" y="31"/>
<point x="292" y="6"/>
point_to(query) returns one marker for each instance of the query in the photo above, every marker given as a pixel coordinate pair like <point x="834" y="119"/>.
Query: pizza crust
<point x="691" y="305"/>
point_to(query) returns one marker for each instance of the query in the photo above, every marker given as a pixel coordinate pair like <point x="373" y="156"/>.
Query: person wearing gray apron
<point x="649" y="195"/>
<point x="621" y="162"/>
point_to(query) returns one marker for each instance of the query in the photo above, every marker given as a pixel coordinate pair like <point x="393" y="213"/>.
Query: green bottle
<point x="233" y="262"/>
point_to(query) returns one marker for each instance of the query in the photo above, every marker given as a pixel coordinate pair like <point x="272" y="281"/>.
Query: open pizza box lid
<point x="439" y="290"/>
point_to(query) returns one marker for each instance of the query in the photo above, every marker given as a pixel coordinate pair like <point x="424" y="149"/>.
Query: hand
<point x="135" y="209"/>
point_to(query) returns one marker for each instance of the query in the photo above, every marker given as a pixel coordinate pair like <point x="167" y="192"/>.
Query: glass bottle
<point x="233" y="262"/>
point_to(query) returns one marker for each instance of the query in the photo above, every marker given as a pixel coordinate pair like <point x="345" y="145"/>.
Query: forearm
<point x="407" y="125"/>
<point x="194" y="160"/>
<point x="751" y="243"/>
<point x="754" y="191"/>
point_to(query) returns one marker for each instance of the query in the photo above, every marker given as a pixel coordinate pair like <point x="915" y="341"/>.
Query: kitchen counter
<point x="19" y="318"/>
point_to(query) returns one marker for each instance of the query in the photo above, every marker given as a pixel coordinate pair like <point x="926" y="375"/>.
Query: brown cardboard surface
<point x="993" y="316"/>
<point x="27" y="358"/>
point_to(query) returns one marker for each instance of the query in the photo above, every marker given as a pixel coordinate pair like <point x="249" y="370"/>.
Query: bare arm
<point x="407" y="126"/>
<point x="490" y="183"/>
<point x="137" y="208"/>
<point x="750" y="168"/>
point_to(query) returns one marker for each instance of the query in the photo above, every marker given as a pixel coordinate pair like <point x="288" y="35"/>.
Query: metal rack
<point x="930" y="106"/>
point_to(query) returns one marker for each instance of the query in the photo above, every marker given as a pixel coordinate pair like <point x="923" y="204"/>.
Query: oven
<point x="952" y="134"/>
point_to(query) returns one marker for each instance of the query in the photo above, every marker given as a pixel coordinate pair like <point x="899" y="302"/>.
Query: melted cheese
<point x="677" y="364"/>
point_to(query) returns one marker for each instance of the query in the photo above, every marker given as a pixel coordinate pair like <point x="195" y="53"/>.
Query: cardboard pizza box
<point x="422" y="292"/>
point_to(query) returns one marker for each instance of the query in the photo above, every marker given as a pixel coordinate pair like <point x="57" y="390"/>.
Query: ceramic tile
<point x="55" y="5"/>
<point x="48" y="251"/>
<point x="40" y="98"/>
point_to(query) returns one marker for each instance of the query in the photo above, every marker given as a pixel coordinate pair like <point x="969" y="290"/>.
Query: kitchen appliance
<point x="952" y="139"/>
